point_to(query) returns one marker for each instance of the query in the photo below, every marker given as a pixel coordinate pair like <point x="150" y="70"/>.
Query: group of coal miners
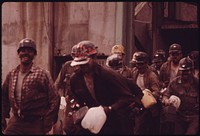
<point x="154" y="95"/>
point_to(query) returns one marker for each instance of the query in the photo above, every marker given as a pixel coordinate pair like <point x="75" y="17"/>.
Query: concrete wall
<point x="57" y="25"/>
<point x="78" y="21"/>
<point x="21" y="20"/>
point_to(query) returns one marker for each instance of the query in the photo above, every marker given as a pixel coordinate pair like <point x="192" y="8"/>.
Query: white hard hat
<point x="94" y="119"/>
<point x="175" y="101"/>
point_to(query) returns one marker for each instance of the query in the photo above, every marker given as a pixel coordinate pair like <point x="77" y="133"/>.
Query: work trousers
<point x="24" y="126"/>
<point x="187" y="125"/>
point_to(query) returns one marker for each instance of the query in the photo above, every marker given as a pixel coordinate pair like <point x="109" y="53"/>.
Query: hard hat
<point x="185" y="64"/>
<point x="175" y="48"/>
<point x="194" y="55"/>
<point x="141" y="57"/>
<point x="84" y="51"/>
<point x="162" y="53"/>
<point x="117" y="49"/>
<point x="27" y="43"/>
<point x="114" y="60"/>
<point x="157" y="58"/>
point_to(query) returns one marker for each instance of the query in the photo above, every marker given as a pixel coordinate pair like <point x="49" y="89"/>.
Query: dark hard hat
<point x="157" y="58"/>
<point x="194" y="55"/>
<point x="185" y="64"/>
<point x="162" y="53"/>
<point x="114" y="60"/>
<point x="141" y="57"/>
<point x="27" y="43"/>
<point x="175" y="48"/>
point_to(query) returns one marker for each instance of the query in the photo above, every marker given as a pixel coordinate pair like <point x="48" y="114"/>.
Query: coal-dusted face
<point x="186" y="74"/>
<point x="141" y="67"/>
<point x="175" y="57"/>
<point x="158" y="64"/>
<point x="26" y="55"/>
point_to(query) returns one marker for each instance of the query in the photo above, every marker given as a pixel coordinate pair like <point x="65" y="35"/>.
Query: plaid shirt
<point x="38" y="95"/>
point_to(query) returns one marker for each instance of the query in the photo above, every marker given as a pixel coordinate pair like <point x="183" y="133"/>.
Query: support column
<point x="128" y="39"/>
<point x="119" y="22"/>
<point x="157" y="18"/>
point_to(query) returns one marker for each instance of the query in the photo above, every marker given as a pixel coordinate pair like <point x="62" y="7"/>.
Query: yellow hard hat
<point x="117" y="49"/>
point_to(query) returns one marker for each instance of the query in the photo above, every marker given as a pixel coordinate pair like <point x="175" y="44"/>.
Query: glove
<point x="175" y="101"/>
<point x="94" y="119"/>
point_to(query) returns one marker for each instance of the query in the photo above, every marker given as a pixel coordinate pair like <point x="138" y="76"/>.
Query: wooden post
<point x="157" y="18"/>
<point x="128" y="30"/>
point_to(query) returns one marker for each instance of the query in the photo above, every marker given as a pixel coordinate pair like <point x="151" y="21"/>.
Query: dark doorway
<point x="187" y="37"/>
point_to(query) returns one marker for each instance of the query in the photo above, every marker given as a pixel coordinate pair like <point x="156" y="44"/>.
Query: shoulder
<point x="151" y="74"/>
<point x="104" y="70"/>
<point x="67" y="64"/>
<point x="13" y="71"/>
<point x="39" y="71"/>
<point x="164" y="64"/>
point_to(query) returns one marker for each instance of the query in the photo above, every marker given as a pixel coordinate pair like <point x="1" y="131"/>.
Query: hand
<point x="166" y="102"/>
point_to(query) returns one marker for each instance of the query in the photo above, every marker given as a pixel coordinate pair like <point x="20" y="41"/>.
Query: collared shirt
<point x="38" y="94"/>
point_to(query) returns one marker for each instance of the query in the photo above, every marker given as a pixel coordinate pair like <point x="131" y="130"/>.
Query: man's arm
<point x="5" y="102"/>
<point x="54" y="103"/>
